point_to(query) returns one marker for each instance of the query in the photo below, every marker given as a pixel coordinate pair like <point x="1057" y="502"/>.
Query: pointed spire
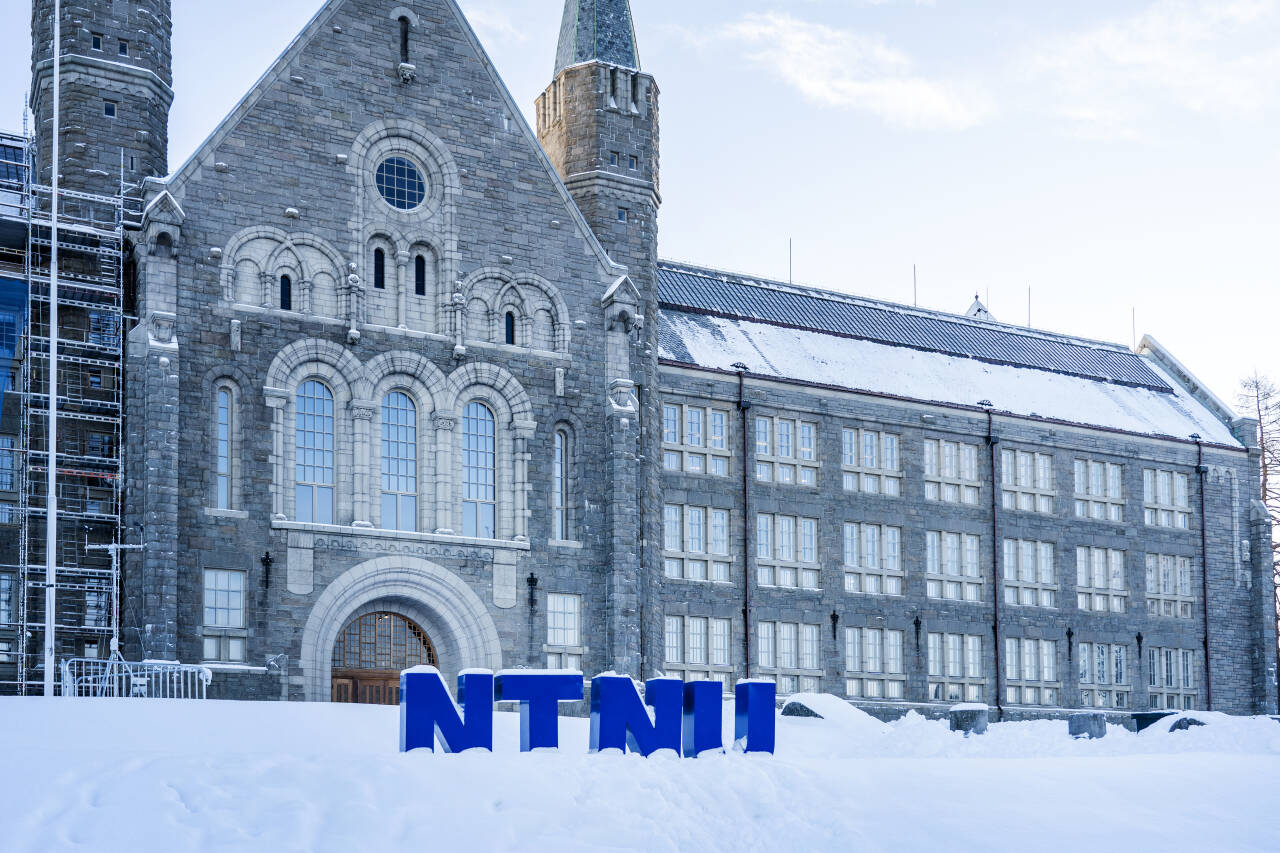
<point x="597" y="31"/>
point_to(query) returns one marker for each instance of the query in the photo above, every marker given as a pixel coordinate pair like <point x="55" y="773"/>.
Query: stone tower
<point x="598" y="122"/>
<point x="116" y="90"/>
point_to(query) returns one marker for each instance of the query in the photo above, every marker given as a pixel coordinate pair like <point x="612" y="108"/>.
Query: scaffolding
<point x="89" y="465"/>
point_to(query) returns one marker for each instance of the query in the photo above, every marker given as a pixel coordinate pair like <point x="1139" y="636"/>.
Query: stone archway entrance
<point x="461" y="632"/>
<point x="369" y="654"/>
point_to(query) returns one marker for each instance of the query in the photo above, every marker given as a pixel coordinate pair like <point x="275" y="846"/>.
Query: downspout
<point x="1202" y="470"/>
<point x="992" y="443"/>
<point x="744" y="407"/>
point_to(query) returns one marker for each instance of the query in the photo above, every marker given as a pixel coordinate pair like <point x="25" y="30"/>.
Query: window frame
<point x="479" y="505"/>
<point x="224" y="639"/>
<point x="1014" y="571"/>
<point x="226" y="463"/>
<point x="1169" y="670"/>
<point x="1117" y="596"/>
<point x="680" y="563"/>
<point x="863" y="680"/>
<point x="775" y="569"/>
<point x="790" y="678"/>
<point x="1155" y="511"/>
<point x="684" y="456"/>
<point x="317" y="486"/>
<point x="561" y="484"/>
<point x="773" y="465"/>
<point x="1016" y="494"/>
<point x="857" y="476"/>
<point x="1161" y="602"/>
<point x="1116" y="690"/>
<point x="945" y="685"/>
<point x="969" y="577"/>
<point x="564" y="651"/>
<point x="684" y="632"/>
<point x="1020" y="689"/>
<point x="939" y="483"/>
<point x="403" y="499"/>
<point x="889" y="574"/>
<point x="1087" y="502"/>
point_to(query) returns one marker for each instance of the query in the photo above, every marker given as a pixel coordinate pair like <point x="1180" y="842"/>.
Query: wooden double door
<point x="370" y="653"/>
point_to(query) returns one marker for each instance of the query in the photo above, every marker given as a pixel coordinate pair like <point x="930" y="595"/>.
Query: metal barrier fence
<point x="122" y="679"/>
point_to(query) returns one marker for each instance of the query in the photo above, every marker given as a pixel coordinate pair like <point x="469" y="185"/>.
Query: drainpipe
<point x="993" y="442"/>
<point x="744" y="408"/>
<point x="1202" y="470"/>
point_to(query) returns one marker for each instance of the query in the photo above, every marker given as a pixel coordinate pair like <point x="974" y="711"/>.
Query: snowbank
<point x="147" y="777"/>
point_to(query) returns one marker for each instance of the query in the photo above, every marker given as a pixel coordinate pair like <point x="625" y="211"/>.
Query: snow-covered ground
<point x="161" y="777"/>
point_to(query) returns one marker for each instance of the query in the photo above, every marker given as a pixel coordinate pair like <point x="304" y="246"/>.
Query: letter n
<point x="619" y="719"/>
<point x="427" y="709"/>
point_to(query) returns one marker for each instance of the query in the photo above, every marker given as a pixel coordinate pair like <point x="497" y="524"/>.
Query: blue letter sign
<point x="686" y="717"/>
<point x="426" y="707"/>
<point x="539" y="695"/>
<point x="619" y="720"/>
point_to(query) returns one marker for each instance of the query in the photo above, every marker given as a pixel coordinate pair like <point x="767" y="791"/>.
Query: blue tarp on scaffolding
<point x="13" y="319"/>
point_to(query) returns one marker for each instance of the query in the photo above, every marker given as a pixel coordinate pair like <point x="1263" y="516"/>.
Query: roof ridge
<point x="813" y="291"/>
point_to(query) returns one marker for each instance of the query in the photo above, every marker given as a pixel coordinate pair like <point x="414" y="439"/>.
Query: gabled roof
<point x="706" y="291"/>
<point x="597" y="31"/>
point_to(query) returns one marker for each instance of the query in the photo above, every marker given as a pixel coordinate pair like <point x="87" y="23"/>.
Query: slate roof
<point x="712" y="292"/>
<point x="597" y="30"/>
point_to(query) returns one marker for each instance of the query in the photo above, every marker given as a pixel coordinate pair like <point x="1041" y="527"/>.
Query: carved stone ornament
<point x="407" y="72"/>
<point x="162" y="328"/>
<point x="363" y="410"/>
<point x="445" y="423"/>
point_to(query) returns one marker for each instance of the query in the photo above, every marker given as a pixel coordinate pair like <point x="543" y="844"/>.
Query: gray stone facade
<point x="526" y="278"/>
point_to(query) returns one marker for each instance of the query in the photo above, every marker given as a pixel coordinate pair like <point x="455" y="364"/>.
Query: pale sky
<point x="1106" y="154"/>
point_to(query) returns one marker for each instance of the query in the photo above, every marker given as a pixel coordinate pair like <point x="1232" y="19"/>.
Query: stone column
<point x="277" y="400"/>
<point x="361" y="420"/>
<point x="268" y="280"/>
<point x="305" y="303"/>
<point x="522" y="432"/>
<point x="444" y="424"/>
<point x="402" y="289"/>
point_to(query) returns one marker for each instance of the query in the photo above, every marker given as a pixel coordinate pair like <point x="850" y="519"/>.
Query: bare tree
<point x="1260" y="398"/>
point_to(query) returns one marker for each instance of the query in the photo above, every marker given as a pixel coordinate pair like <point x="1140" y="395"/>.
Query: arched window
<point x="313" y="451"/>
<point x="560" y="486"/>
<point x="511" y="328"/>
<point x="286" y="293"/>
<point x="479" y="472"/>
<point x="420" y="276"/>
<point x="222" y="449"/>
<point x="379" y="269"/>
<point x="399" y="462"/>
<point x="404" y="39"/>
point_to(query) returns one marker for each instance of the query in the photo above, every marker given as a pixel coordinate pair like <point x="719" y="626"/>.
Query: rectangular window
<point x="8" y="465"/>
<point x="675" y="639"/>
<point x="781" y="559"/>
<point x="123" y="50"/>
<point x="1171" y="679"/>
<point x="622" y="214"/>
<point x="786" y="451"/>
<point x="1165" y="499"/>
<point x="1031" y="671"/>
<point x="633" y="163"/>
<point x="794" y="651"/>
<point x="955" y="668"/>
<point x="869" y="462"/>
<point x="8" y="609"/>
<point x="873" y="559"/>
<point x="951" y="472"/>
<point x="873" y="663"/>
<point x="695" y="439"/>
<point x="1103" y="675"/>
<point x="1100" y="582"/>
<point x="564" y="619"/>
<point x="96" y="41"/>
<point x="953" y="569"/>
<point x="1029" y="576"/>
<point x="1169" y="586"/>
<point x="224" y="634"/>
<point x="1026" y="481"/>
<point x="695" y="543"/>
<point x="1099" y="490"/>
<point x="109" y="109"/>
<point x="613" y="158"/>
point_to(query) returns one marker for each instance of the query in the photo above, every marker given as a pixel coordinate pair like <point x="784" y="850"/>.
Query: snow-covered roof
<point x="822" y="358"/>
<point x="722" y="294"/>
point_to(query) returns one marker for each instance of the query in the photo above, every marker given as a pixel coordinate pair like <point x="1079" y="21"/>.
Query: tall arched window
<point x="286" y="293"/>
<point x="399" y="462"/>
<point x="560" y="486"/>
<point x="222" y="449"/>
<point x="479" y="472"/>
<point x="404" y="39"/>
<point x="510" y="327"/>
<point x="379" y="269"/>
<point x="420" y="276"/>
<point x="313" y="450"/>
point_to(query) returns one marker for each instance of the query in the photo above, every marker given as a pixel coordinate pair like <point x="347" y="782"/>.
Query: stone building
<point x="409" y="384"/>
